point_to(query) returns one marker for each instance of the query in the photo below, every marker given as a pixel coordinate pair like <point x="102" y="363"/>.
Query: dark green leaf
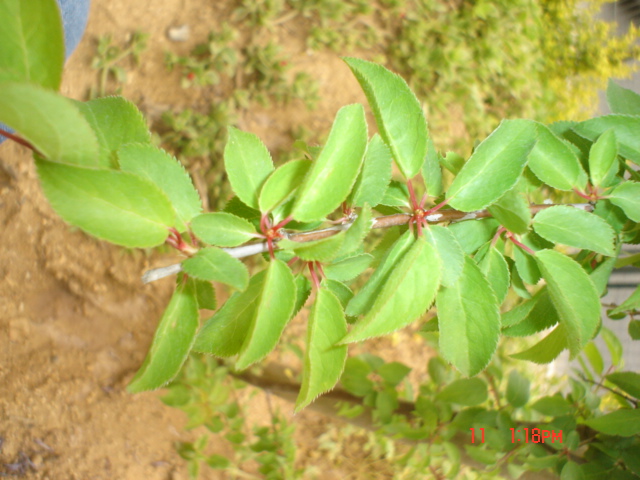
<point x="248" y="164"/>
<point x="628" y="382"/>
<point x="323" y="360"/>
<point x="119" y="207"/>
<point x="216" y="265"/>
<point x="634" y="329"/>
<point x="406" y="294"/>
<point x="536" y="315"/>
<point x="469" y="321"/>
<point x="552" y="406"/>
<point x="600" y="276"/>
<point x="282" y="184"/>
<point x="622" y="100"/>
<point x="222" y="229"/>
<point x="504" y="151"/>
<point x="333" y="174"/>
<point x="116" y="121"/>
<point x="624" y="423"/>
<point x="167" y="173"/>
<point x="30" y="111"/>
<point x="572" y="471"/>
<point x="512" y="212"/>
<point x="449" y="251"/>
<point x="575" y="227"/>
<point x="375" y="175"/>
<point x="464" y="391"/>
<point x="547" y="349"/>
<point x="574" y="296"/>
<point x="517" y="389"/>
<point x="626" y="128"/>
<point x="627" y="197"/>
<point x="555" y="163"/>
<point x="398" y="114"/>
<point x="171" y="343"/>
<point x="31" y="36"/>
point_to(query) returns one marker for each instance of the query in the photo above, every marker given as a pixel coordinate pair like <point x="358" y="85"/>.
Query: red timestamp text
<point x="524" y="435"/>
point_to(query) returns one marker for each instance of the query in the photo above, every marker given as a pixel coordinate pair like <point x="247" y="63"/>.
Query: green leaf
<point x="115" y="121"/>
<point x="622" y="100"/>
<point x="323" y="250"/>
<point x="404" y="296"/>
<point x="216" y="265"/>
<point x="555" y="163"/>
<point x="348" y="268"/>
<point x="574" y="296"/>
<point x="452" y="162"/>
<point x="431" y="171"/>
<point x="205" y="293"/>
<point x="357" y="232"/>
<point x="50" y="122"/>
<point x="595" y="358"/>
<point x="323" y="361"/>
<point x="340" y="290"/>
<point x="396" y="195"/>
<point x="248" y="164"/>
<point x="547" y="349"/>
<point x="167" y="173"/>
<point x="282" y="184"/>
<point x="517" y="389"/>
<point x="634" y="329"/>
<point x="374" y="176"/>
<point x="303" y="290"/>
<point x="600" y="276"/>
<point x="623" y="423"/>
<point x="627" y="197"/>
<point x="496" y="270"/>
<point x="393" y="373"/>
<point x="119" y="207"/>
<point x="575" y="227"/>
<point x="397" y="111"/>
<point x="626" y="128"/>
<point x="472" y="234"/>
<point x="171" y="343"/>
<point x="603" y="160"/>
<point x="526" y="266"/>
<point x="629" y="382"/>
<point x="539" y="313"/>
<point x="32" y="42"/>
<point x="505" y="151"/>
<point x="512" y="212"/>
<point x="613" y="345"/>
<point x="469" y="321"/>
<point x="554" y="406"/>
<point x="521" y="311"/>
<point x="333" y="174"/>
<point x="572" y="471"/>
<point x="363" y="301"/>
<point x="251" y="322"/>
<point x="449" y="251"/>
<point x="355" y="377"/>
<point x="464" y="391"/>
<point x="222" y="229"/>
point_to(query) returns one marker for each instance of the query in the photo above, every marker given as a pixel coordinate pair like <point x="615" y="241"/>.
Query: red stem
<point x="522" y="246"/>
<point x="314" y="277"/>
<point x="19" y="140"/>
<point x="412" y="195"/>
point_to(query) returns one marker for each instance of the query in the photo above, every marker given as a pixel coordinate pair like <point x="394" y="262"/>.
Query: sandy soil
<point x="75" y="319"/>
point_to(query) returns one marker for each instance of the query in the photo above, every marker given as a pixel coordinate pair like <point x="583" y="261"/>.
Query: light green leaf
<point x="603" y="160"/>
<point x="600" y="276"/>
<point x="452" y="162"/>
<point x="431" y="171"/>
<point x="464" y="391"/>
<point x="406" y="294"/>
<point x="282" y="184"/>
<point x="631" y="303"/>
<point x="323" y="250"/>
<point x="553" y="406"/>
<point x="248" y="164"/>
<point x="357" y="232"/>
<point x="398" y="114"/>
<point x="31" y="35"/>
<point x="547" y="349"/>
<point x="555" y="163"/>
<point x="303" y="290"/>
<point x="119" y="207"/>
<point x="171" y="343"/>
<point x="205" y="293"/>
<point x="613" y="345"/>
<point x="624" y="423"/>
<point x="115" y="121"/>
<point x="348" y="268"/>
<point x="622" y="100"/>
<point x="496" y="270"/>
<point x="340" y="290"/>
<point x="167" y="173"/>
<point x="323" y="360"/>
<point x="526" y="266"/>
<point x="449" y="251"/>
<point x="216" y="265"/>
<point x="575" y="227"/>
<point x="517" y="389"/>
<point x="574" y="296"/>
<point x="50" y="122"/>
<point x="531" y="317"/>
<point x="512" y="212"/>
<point x="374" y="176"/>
<point x="472" y="234"/>
<point x="469" y="321"/>
<point x="628" y="382"/>
<point x="521" y="311"/>
<point x="396" y="195"/>
<point x="626" y="128"/>
<point x="363" y="301"/>
<point x="494" y="167"/>
<point x="595" y="358"/>
<point x="627" y="197"/>
<point x="333" y="174"/>
<point x="222" y="229"/>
